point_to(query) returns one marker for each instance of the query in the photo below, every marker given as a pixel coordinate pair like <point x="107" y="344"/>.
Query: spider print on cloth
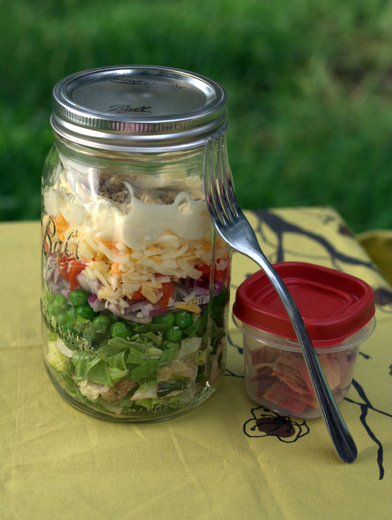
<point x="268" y="423"/>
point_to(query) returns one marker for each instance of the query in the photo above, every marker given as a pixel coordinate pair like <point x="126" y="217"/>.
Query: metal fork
<point x="234" y="228"/>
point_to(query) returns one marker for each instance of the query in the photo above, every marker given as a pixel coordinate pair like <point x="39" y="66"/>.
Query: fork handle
<point x="340" y="435"/>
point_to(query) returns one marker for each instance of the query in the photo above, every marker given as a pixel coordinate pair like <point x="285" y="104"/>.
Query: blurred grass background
<point x="309" y="85"/>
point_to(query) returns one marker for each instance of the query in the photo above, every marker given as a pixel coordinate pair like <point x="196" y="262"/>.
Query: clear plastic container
<point x="135" y="283"/>
<point x="338" y="310"/>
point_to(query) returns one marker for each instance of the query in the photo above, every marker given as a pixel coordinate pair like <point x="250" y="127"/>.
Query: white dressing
<point x="146" y="222"/>
<point x="138" y="224"/>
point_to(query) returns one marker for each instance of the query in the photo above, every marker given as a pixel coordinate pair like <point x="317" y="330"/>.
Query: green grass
<point x="309" y="84"/>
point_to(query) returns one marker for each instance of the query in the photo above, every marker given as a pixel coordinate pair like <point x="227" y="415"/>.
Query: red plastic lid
<point x="334" y="305"/>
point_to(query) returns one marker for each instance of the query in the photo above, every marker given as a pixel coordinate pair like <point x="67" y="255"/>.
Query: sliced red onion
<point x="95" y="303"/>
<point x="160" y="312"/>
<point x="56" y="283"/>
<point x="218" y="287"/>
<point x="203" y="282"/>
<point x="201" y="291"/>
<point x="90" y="286"/>
<point x="52" y="271"/>
<point x="129" y="316"/>
<point x="143" y="306"/>
<point x="65" y="292"/>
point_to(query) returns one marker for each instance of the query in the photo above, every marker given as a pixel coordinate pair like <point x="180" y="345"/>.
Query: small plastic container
<point x="338" y="311"/>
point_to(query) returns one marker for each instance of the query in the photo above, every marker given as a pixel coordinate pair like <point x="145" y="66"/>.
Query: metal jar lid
<point x="138" y="108"/>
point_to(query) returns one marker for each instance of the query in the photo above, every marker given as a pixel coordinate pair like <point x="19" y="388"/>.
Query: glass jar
<point x="135" y="281"/>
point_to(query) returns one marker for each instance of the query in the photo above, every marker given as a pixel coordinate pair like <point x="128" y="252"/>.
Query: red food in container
<point x="338" y="311"/>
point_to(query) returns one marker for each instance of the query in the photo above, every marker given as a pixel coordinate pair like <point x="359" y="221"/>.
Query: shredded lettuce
<point x="189" y="346"/>
<point x="82" y="363"/>
<point x="117" y="374"/>
<point x="146" y="370"/>
<point x="168" y="355"/>
<point x="114" y="359"/>
<point x="134" y="356"/>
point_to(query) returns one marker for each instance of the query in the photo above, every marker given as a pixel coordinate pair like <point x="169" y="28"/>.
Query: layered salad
<point x="135" y="291"/>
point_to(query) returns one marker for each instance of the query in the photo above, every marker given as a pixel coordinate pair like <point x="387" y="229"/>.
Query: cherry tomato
<point x="220" y="276"/>
<point x="168" y="292"/>
<point x="137" y="296"/>
<point x="70" y="268"/>
<point x="205" y="269"/>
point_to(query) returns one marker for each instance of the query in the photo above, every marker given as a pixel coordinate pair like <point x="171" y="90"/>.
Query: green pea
<point x="78" y="297"/>
<point x="120" y="330"/>
<point x="102" y="320"/>
<point x="71" y="315"/>
<point x="85" y="311"/>
<point x="49" y="297"/>
<point x="102" y="323"/>
<point x="183" y="319"/>
<point x="61" y="318"/>
<point x="59" y="304"/>
<point x="174" y="335"/>
<point x="165" y="319"/>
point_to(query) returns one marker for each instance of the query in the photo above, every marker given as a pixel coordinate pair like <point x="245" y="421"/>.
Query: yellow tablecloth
<point x="214" y="462"/>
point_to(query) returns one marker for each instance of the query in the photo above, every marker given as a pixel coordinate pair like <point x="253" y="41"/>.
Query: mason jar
<point x="135" y="281"/>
